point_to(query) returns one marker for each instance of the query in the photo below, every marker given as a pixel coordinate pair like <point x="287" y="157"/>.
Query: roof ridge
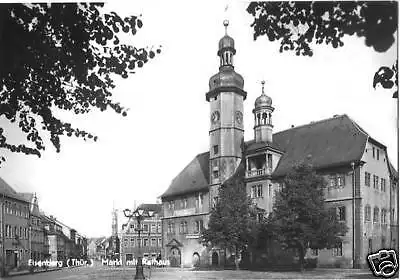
<point x="313" y="123"/>
<point x="358" y="127"/>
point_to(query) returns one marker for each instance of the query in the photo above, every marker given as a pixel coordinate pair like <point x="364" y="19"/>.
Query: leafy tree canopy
<point x="300" y="218"/>
<point x="61" y="57"/>
<point x="233" y="218"/>
<point x="296" y="25"/>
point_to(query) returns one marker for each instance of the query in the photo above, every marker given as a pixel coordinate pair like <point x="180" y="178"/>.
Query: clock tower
<point x="226" y="96"/>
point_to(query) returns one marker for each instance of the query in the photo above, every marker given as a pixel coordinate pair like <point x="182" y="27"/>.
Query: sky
<point x="136" y="157"/>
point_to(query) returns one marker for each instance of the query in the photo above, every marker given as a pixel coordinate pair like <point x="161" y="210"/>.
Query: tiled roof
<point x="326" y="143"/>
<point x="253" y="146"/>
<point x="156" y="207"/>
<point x="393" y="171"/>
<point x="7" y="190"/>
<point x="194" y="177"/>
<point x="330" y="142"/>
<point x="27" y="196"/>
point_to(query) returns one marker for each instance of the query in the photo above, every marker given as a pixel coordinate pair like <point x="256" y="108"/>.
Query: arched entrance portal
<point x="214" y="259"/>
<point x="175" y="257"/>
<point x="196" y="259"/>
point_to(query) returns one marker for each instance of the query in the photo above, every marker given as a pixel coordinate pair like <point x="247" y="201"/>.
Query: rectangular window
<point x="370" y="245"/>
<point x="373" y="152"/>
<point x="377" y="154"/>
<point x="259" y="191"/>
<point x="340" y="180"/>
<point x="342" y="213"/>
<point x="367" y="179"/>
<point x="153" y="228"/>
<point x="145" y="242"/>
<point x="215" y="147"/>
<point x="215" y="201"/>
<point x="383" y="216"/>
<point x="338" y="250"/>
<point x="376" y="215"/>
<point x="198" y="227"/>
<point x="159" y="242"/>
<point x="269" y="158"/>
<point x="145" y="227"/>
<point x="269" y="189"/>
<point x="215" y="174"/>
<point x="153" y="242"/>
<point x="332" y="181"/>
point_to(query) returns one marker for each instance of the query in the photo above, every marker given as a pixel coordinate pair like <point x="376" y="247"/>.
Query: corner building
<point x="362" y="184"/>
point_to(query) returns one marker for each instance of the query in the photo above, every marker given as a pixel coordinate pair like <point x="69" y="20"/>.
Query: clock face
<point x="239" y="117"/>
<point x="215" y="117"/>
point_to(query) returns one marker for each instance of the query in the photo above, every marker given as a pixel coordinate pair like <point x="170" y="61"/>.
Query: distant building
<point x="36" y="233"/>
<point x="361" y="179"/>
<point x="63" y="242"/>
<point x="150" y="240"/>
<point x="15" y="250"/>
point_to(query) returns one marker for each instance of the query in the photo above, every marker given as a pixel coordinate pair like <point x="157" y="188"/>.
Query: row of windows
<point x="145" y="227"/>
<point x="375" y="151"/>
<point x="16" y="232"/>
<point x="183" y="203"/>
<point x="337" y="251"/>
<point x="337" y="181"/>
<point x="36" y="221"/>
<point x="257" y="191"/>
<point x="183" y="227"/>
<point x="16" y="209"/>
<point x="339" y="212"/>
<point x="142" y="242"/>
<point x="375" y="182"/>
<point x="383" y="220"/>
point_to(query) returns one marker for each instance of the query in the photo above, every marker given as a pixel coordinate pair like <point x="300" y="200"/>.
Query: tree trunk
<point x="301" y="257"/>
<point x="236" y="259"/>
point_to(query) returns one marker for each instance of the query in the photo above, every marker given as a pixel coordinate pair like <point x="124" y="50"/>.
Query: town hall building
<point x="362" y="183"/>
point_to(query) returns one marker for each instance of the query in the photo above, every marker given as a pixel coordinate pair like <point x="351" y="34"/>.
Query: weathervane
<point x="226" y="21"/>
<point x="262" y="86"/>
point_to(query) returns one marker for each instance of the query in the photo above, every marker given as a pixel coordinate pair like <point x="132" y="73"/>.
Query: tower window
<point x="215" y="174"/>
<point x="215" y="147"/>
<point x="264" y="118"/>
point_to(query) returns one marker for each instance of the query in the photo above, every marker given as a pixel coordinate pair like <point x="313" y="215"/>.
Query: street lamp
<point x="139" y="215"/>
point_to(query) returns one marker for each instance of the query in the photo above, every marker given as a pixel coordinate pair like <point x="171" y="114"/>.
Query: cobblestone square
<point x="102" y="273"/>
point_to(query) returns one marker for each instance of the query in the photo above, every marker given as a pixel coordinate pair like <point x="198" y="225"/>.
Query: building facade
<point x="362" y="184"/>
<point x="150" y="240"/>
<point x="36" y="231"/>
<point x="15" y="228"/>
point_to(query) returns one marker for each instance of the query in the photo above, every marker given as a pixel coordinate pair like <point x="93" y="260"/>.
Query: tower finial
<point x="226" y="23"/>
<point x="262" y="86"/>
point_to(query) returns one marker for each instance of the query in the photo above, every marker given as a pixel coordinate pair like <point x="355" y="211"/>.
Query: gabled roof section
<point x="252" y="146"/>
<point x="155" y="207"/>
<point x="8" y="191"/>
<point x="174" y="243"/>
<point x="330" y="142"/>
<point x="194" y="177"/>
<point x="393" y="171"/>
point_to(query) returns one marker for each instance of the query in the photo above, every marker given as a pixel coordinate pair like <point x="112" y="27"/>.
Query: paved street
<point x="171" y="273"/>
